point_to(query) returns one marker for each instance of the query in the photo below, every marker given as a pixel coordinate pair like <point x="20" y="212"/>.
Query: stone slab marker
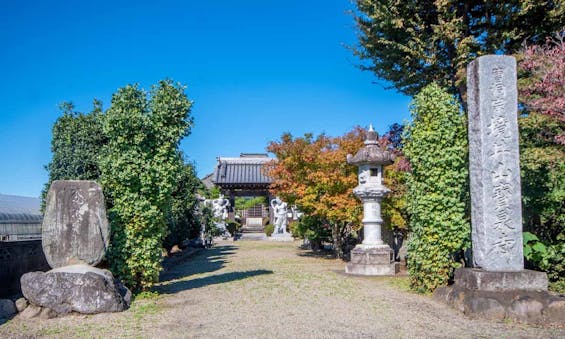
<point x="498" y="287"/>
<point x="494" y="164"/>
<point x="75" y="229"/>
<point x="75" y="237"/>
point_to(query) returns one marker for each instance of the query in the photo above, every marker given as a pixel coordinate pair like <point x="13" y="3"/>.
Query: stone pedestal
<point x="78" y="288"/>
<point x="372" y="261"/>
<point x="281" y="237"/>
<point x="519" y="296"/>
<point x="477" y="279"/>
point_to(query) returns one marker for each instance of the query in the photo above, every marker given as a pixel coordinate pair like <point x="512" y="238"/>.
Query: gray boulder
<point x="7" y="308"/>
<point x="75" y="227"/>
<point x="77" y="288"/>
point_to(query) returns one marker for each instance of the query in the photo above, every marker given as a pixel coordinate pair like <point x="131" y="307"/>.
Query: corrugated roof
<point x="18" y="209"/>
<point x="241" y="171"/>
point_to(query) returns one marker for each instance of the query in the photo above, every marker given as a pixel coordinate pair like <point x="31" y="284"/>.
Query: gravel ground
<point x="252" y="289"/>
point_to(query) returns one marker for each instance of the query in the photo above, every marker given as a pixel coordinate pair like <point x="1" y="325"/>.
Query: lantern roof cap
<point x="371" y="153"/>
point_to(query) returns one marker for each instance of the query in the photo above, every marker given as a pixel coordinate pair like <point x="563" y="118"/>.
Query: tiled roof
<point x="17" y="209"/>
<point x="207" y="181"/>
<point x="241" y="171"/>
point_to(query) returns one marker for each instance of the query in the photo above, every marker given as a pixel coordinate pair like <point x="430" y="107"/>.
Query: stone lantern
<point x="372" y="256"/>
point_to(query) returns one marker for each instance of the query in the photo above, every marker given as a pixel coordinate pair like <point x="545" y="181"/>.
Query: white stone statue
<point x="296" y="212"/>
<point x="220" y="207"/>
<point x="280" y="212"/>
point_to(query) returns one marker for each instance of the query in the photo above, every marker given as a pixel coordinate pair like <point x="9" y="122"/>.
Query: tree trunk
<point x="337" y="240"/>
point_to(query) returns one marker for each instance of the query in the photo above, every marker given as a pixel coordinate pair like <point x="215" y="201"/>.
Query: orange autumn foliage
<point x="314" y="175"/>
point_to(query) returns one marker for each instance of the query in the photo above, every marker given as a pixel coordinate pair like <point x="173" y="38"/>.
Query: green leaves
<point x="436" y="146"/>
<point x="529" y="237"/>
<point x="141" y="169"/>
<point x="182" y="217"/>
<point x="76" y="144"/>
<point x="547" y="257"/>
<point x="414" y="43"/>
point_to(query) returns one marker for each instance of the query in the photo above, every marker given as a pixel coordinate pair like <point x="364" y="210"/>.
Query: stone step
<point x="253" y="236"/>
<point x="252" y="230"/>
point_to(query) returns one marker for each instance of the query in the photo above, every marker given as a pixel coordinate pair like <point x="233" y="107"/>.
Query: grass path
<point x="274" y="290"/>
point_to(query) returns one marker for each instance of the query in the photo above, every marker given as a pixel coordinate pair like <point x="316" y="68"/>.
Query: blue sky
<point x="254" y="69"/>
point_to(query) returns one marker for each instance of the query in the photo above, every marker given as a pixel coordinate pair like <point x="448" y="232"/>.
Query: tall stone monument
<point x="75" y="229"/>
<point x="372" y="256"/>
<point x="494" y="163"/>
<point x="75" y="238"/>
<point x="498" y="286"/>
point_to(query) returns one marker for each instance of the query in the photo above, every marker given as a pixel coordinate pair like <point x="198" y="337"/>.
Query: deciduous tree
<point x="394" y="206"/>
<point x="414" y="43"/>
<point x="76" y="144"/>
<point x="314" y="175"/>
<point x="542" y="150"/>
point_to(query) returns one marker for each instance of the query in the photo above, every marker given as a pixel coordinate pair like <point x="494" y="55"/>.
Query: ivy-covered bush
<point x="139" y="174"/>
<point x="183" y="221"/>
<point x="436" y="146"/>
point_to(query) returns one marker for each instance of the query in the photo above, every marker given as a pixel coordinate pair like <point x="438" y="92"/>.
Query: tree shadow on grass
<point x="322" y="254"/>
<point x="184" y="285"/>
<point x="208" y="260"/>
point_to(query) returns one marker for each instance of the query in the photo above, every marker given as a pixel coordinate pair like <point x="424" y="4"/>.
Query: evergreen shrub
<point x="269" y="229"/>
<point x="139" y="173"/>
<point x="436" y="146"/>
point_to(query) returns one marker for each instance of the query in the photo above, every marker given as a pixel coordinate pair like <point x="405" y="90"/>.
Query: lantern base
<point x="372" y="261"/>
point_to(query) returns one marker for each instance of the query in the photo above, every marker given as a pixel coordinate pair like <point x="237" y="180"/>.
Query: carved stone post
<point x="498" y="286"/>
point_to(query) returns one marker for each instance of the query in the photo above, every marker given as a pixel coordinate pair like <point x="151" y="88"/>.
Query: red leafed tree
<point x="314" y="175"/>
<point x="542" y="85"/>
<point x="542" y="150"/>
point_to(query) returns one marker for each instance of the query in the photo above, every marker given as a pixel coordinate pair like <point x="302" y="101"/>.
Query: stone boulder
<point x="77" y="288"/>
<point x="21" y="304"/>
<point x="75" y="227"/>
<point x="33" y="311"/>
<point x="528" y="306"/>
<point x="7" y="308"/>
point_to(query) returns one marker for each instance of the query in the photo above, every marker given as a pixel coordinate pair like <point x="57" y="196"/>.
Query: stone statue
<point x="280" y="212"/>
<point x="220" y="207"/>
<point x="296" y="212"/>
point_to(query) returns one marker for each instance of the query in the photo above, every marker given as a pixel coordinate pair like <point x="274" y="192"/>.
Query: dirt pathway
<point x="274" y="290"/>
